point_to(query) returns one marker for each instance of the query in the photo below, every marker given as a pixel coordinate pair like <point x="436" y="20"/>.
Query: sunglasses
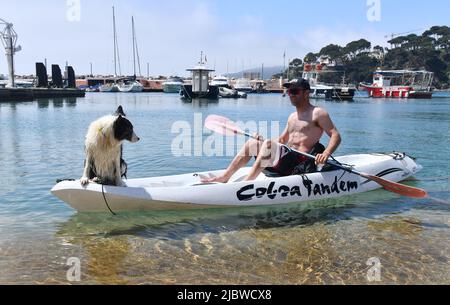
<point x="294" y="91"/>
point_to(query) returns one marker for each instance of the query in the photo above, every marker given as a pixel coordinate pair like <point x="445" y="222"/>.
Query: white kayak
<point x="187" y="192"/>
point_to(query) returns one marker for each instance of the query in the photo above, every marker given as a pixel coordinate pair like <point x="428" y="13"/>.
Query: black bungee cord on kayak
<point x="103" y="193"/>
<point x="343" y="165"/>
<point x="103" y="182"/>
<point x="106" y="201"/>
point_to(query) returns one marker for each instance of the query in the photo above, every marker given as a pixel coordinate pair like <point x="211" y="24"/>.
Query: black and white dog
<point x="103" y="146"/>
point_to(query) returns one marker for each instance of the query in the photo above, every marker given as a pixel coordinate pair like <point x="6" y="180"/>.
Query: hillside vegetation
<point x="358" y="59"/>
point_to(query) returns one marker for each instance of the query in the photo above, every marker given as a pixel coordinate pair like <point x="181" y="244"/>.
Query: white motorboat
<point x="320" y="90"/>
<point x="225" y="92"/>
<point x="220" y="81"/>
<point x="173" y="85"/>
<point x="243" y="85"/>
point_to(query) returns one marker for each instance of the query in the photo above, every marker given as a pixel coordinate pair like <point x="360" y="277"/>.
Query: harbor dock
<point x="29" y="94"/>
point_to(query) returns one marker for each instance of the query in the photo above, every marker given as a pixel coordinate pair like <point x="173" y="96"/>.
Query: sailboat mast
<point x="137" y="54"/>
<point x="134" y="49"/>
<point x="115" y="46"/>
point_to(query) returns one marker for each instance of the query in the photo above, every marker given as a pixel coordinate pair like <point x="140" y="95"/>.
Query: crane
<point x="9" y="39"/>
<point x="393" y="35"/>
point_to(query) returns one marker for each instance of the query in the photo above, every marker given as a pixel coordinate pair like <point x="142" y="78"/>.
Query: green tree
<point x="446" y="57"/>
<point x="334" y="51"/>
<point x="310" y="58"/>
<point x="444" y="42"/>
<point x="397" y="42"/>
<point x="295" y="68"/>
<point x="379" y="49"/>
<point x="356" y="47"/>
<point x="440" y="69"/>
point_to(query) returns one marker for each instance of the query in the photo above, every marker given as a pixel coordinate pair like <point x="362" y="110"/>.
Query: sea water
<point x="329" y="241"/>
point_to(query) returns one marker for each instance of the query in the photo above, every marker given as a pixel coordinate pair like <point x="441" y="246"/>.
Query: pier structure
<point x="57" y="88"/>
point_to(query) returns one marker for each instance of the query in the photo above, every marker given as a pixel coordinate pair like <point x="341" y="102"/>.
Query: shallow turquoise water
<point x="323" y="242"/>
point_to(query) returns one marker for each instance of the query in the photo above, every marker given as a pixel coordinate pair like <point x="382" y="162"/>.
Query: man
<point x="303" y="132"/>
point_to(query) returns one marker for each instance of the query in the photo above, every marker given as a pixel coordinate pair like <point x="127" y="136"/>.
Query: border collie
<point x="103" y="147"/>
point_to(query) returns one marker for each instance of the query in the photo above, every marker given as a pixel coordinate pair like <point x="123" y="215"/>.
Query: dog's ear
<point x="119" y="111"/>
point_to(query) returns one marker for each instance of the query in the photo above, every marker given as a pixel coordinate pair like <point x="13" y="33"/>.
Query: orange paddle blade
<point x="397" y="188"/>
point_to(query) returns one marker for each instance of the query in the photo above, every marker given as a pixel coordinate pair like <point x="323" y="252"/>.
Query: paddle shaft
<point x="222" y="125"/>
<point x="313" y="157"/>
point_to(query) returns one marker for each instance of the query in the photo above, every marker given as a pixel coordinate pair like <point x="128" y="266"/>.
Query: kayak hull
<point x="186" y="191"/>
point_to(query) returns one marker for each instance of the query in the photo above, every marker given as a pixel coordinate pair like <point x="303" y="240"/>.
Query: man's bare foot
<point x="220" y="179"/>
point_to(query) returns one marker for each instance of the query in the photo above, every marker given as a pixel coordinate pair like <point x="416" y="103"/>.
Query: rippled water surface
<point x="326" y="241"/>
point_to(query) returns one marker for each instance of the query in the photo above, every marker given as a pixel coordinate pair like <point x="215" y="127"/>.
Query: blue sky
<point x="172" y="33"/>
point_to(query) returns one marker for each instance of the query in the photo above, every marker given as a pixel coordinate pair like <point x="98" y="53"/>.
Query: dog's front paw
<point x="121" y="183"/>
<point x="84" y="181"/>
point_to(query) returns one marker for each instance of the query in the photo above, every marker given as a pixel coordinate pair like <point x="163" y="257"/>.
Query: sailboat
<point x="133" y="85"/>
<point x="113" y="87"/>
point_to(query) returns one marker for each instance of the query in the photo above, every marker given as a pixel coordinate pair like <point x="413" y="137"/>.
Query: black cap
<point x="298" y="83"/>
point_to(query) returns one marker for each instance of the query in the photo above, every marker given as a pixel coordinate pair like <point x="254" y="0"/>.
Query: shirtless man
<point x="303" y="132"/>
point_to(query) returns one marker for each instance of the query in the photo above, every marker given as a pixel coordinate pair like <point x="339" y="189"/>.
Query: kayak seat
<point x="270" y="174"/>
<point x="324" y="169"/>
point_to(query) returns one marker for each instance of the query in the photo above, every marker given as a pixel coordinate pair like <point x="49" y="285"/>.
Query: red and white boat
<point x="400" y="84"/>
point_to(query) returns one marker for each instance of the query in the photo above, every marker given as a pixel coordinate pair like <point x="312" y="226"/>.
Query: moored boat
<point x="200" y="87"/>
<point x="187" y="192"/>
<point x="400" y="84"/>
<point x="131" y="86"/>
<point x="173" y="85"/>
<point x="322" y="90"/>
<point x="109" y="88"/>
<point x="231" y="93"/>
<point x="220" y="81"/>
<point x="243" y="85"/>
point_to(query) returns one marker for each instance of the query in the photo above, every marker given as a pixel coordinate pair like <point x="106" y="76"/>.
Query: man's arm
<point x="328" y="126"/>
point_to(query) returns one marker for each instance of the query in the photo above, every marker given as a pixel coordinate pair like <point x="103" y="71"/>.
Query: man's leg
<point x="267" y="157"/>
<point x="250" y="149"/>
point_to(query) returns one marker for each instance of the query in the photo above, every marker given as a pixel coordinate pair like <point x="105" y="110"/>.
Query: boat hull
<point x="131" y="87"/>
<point x="108" y="89"/>
<point x="187" y="93"/>
<point x="244" y="89"/>
<point x="172" y="88"/>
<point x="230" y="93"/>
<point x="396" y="92"/>
<point x="337" y="94"/>
<point x="186" y="191"/>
